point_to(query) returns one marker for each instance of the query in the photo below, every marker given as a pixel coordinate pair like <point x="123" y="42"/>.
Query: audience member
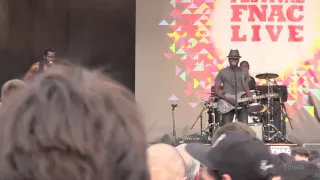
<point x="285" y="158"/>
<point x="72" y="124"/>
<point x="300" y="153"/>
<point x="165" y="163"/>
<point x="234" y="126"/>
<point x="10" y="87"/>
<point x="299" y="170"/>
<point x="237" y="156"/>
<point x="192" y="165"/>
<point x="313" y="155"/>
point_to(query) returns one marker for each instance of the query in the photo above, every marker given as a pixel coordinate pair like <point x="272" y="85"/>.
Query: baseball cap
<point x="238" y="154"/>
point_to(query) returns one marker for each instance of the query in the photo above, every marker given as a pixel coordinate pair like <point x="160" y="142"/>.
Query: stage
<point x="189" y="45"/>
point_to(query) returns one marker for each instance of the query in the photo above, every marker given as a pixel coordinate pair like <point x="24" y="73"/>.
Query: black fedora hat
<point x="234" y="54"/>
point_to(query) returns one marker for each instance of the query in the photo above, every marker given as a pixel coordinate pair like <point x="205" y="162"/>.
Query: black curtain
<point x="94" y="33"/>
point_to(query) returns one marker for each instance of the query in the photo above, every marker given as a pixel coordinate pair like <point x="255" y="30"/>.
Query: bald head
<point x="165" y="163"/>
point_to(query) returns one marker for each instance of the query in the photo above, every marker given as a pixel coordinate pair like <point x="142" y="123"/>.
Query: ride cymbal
<point x="267" y="76"/>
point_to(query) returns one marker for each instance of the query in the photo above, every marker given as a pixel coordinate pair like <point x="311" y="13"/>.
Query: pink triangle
<point x="193" y="105"/>
<point x="203" y="84"/>
<point x="173" y="98"/>
<point x="168" y="55"/>
<point x="178" y="70"/>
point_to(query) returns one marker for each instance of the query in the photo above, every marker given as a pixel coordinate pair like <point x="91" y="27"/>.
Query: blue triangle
<point x="179" y="28"/>
<point x="163" y="23"/>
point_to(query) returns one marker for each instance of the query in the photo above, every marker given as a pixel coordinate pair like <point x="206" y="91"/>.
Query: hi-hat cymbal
<point x="267" y="76"/>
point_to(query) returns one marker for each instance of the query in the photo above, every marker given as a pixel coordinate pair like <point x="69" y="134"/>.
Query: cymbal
<point x="210" y="93"/>
<point x="267" y="76"/>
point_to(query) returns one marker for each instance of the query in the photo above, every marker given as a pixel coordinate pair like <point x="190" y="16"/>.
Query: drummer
<point x="252" y="82"/>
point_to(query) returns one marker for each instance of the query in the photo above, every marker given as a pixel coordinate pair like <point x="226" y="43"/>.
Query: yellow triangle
<point x="195" y="83"/>
<point x="311" y="111"/>
<point x="306" y="67"/>
<point x="184" y="34"/>
<point x="198" y="34"/>
<point x="196" y="11"/>
<point x="203" y="28"/>
<point x="175" y="35"/>
<point x="204" y="40"/>
<point x="204" y="6"/>
<point x="210" y="57"/>
<point x="208" y="23"/>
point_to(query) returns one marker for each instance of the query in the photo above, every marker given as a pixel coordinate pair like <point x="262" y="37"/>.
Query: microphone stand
<point x="174" y="124"/>
<point x="236" y="92"/>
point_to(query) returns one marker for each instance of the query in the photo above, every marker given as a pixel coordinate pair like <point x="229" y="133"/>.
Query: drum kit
<point x="269" y="111"/>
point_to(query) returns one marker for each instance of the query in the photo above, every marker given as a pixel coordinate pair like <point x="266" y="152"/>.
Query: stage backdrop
<point x="182" y="44"/>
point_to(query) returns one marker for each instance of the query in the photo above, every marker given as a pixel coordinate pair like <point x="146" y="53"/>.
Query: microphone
<point x="174" y="106"/>
<point x="51" y="64"/>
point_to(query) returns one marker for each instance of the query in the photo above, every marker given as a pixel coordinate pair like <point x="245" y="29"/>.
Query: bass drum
<point x="256" y="105"/>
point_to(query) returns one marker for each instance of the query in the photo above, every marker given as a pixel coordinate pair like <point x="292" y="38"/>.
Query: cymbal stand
<point x="271" y="131"/>
<point x="200" y="117"/>
<point x="214" y="125"/>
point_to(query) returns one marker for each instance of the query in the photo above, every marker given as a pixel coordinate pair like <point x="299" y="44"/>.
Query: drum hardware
<point x="215" y="124"/>
<point x="174" y="124"/>
<point x="255" y="106"/>
<point x="271" y="132"/>
<point x="206" y="105"/>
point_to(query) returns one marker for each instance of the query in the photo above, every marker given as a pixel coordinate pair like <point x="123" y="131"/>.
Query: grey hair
<point x="191" y="169"/>
<point x="11" y="86"/>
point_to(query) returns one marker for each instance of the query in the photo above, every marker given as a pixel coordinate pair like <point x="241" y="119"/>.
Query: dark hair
<point x="313" y="155"/>
<point x="71" y="123"/>
<point x="243" y="62"/>
<point x="48" y="50"/>
<point x="234" y="126"/>
<point x="285" y="158"/>
<point x="299" y="151"/>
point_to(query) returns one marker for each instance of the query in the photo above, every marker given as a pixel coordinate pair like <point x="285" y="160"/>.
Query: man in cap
<point x="235" y="81"/>
<point x="235" y="156"/>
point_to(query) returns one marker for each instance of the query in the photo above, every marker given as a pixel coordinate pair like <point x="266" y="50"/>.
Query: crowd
<point x="70" y="123"/>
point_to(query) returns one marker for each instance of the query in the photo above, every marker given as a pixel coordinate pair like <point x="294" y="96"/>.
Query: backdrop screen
<point x="182" y="44"/>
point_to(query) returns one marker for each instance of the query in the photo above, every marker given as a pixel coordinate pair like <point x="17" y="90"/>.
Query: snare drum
<point x="256" y="105"/>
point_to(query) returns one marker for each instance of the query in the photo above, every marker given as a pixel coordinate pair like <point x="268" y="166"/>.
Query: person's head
<point x="300" y="153"/>
<point x="49" y="55"/>
<point x="313" y="155"/>
<point x="234" y="57"/>
<point x="192" y="165"/>
<point x="234" y="126"/>
<point x="165" y="163"/>
<point x="284" y="158"/>
<point x="235" y="155"/>
<point x="245" y="64"/>
<point x="10" y="87"/>
<point x="299" y="170"/>
<point x="72" y="123"/>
